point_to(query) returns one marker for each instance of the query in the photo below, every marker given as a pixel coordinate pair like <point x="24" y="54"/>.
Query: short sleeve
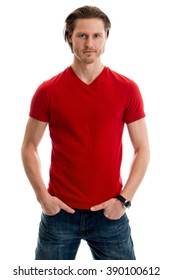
<point x="134" y="106"/>
<point x="39" y="108"/>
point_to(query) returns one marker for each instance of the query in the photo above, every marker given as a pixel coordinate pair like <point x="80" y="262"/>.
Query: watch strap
<point x="124" y="201"/>
<point x="121" y="198"/>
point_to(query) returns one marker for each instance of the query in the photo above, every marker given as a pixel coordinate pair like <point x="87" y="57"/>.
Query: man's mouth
<point x="89" y="51"/>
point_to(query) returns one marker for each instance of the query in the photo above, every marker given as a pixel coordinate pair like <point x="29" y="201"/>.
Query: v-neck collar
<point x="82" y="82"/>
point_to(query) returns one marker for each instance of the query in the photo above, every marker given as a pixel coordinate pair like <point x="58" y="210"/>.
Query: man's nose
<point x="89" y="42"/>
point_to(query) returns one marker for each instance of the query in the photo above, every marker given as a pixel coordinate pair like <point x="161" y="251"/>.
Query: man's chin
<point x="88" y="60"/>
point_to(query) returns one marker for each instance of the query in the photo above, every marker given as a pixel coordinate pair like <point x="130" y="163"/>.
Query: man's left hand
<point x="113" y="209"/>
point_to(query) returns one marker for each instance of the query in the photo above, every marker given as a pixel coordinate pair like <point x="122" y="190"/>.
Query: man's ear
<point x="69" y="37"/>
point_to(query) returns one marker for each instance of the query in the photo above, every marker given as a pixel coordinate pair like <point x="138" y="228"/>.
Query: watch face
<point x="127" y="203"/>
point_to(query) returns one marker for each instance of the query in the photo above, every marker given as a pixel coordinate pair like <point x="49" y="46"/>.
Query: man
<point x="86" y="107"/>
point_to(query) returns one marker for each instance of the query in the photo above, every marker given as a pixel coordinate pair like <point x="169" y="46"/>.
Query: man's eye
<point x="97" y="36"/>
<point x="83" y="36"/>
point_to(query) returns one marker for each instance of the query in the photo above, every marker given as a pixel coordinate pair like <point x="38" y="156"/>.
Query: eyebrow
<point x="85" y="33"/>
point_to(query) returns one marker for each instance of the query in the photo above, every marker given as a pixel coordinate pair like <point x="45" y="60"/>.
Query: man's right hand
<point x="52" y="205"/>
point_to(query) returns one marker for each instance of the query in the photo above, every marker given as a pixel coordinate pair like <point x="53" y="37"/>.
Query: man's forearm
<point x="32" y="168"/>
<point x="137" y="172"/>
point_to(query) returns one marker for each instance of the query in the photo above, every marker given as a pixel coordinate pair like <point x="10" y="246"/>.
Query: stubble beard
<point x="87" y="59"/>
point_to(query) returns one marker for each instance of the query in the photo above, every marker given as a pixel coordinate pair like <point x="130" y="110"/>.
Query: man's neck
<point x="87" y="72"/>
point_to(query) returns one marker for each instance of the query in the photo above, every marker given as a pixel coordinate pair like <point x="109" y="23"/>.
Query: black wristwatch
<point x="124" y="201"/>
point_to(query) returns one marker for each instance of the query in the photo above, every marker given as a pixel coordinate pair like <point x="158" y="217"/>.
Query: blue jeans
<point x="60" y="236"/>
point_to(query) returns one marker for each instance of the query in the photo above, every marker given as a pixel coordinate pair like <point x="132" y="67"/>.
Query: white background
<point x="32" y="50"/>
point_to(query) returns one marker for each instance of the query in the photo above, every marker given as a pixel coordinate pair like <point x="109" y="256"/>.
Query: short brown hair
<point x="85" y="12"/>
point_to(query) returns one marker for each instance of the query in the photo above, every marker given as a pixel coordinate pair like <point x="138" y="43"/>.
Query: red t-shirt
<point x="86" y="125"/>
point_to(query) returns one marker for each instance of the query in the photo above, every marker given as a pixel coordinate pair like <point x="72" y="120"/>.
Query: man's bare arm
<point x="34" y="132"/>
<point x="139" y="139"/>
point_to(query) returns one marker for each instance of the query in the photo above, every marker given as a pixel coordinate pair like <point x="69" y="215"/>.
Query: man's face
<point x="88" y="40"/>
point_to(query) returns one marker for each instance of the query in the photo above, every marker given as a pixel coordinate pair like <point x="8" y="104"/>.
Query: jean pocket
<point x="51" y="216"/>
<point x="113" y="220"/>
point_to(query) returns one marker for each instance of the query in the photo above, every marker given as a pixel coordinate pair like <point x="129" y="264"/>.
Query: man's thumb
<point x="97" y="207"/>
<point x="67" y="208"/>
